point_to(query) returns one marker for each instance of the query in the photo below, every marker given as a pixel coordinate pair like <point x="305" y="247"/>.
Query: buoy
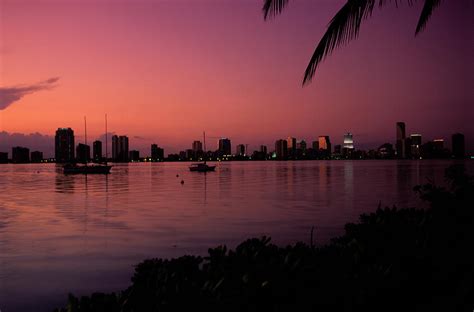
<point x="177" y="175"/>
<point x="182" y="181"/>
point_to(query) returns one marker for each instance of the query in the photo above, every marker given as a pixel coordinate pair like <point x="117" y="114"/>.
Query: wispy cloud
<point x="10" y="95"/>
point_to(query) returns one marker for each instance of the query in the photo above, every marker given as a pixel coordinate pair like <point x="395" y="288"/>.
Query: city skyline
<point x="405" y="146"/>
<point x="167" y="88"/>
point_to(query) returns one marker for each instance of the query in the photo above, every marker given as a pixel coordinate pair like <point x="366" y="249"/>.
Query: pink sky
<point x="165" y="71"/>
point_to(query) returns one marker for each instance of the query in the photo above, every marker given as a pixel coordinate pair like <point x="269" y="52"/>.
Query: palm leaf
<point x="426" y="13"/>
<point x="345" y="25"/>
<point x="273" y="7"/>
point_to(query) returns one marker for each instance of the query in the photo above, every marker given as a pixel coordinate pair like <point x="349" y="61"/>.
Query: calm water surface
<point x="79" y="234"/>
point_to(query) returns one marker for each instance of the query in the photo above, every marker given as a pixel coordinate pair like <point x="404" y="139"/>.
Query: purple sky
<point x="164" y="71"/>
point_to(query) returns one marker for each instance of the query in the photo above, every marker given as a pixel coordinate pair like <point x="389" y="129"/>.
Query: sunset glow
<point x="164" y="71"/>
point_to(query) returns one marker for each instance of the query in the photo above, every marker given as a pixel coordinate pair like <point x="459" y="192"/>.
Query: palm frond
<point x="273" y="7"/>
<point x="428" y="8"/>
<point x="345" y="25"/>
<point x="342" y="28"/>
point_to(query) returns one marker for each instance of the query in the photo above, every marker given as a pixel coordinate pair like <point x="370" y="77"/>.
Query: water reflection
<point x="75" y="233"/>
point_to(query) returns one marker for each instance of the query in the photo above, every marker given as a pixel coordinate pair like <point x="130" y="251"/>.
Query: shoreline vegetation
<point x="391" y="260"/>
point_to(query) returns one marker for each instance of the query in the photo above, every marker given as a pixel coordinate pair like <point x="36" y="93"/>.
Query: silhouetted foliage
<point x="345" y="25"/>
<point x="392" y="260"/>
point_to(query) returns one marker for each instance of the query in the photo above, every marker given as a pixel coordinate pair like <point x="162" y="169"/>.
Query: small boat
<point x="201" y="167"/>
<point x="94" y="169"/>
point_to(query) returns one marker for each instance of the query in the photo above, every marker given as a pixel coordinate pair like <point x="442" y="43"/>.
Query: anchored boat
<point x="202" y="167"/>
<point x="86" y="169"/>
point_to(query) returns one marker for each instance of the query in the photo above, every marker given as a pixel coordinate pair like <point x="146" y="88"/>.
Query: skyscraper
<point x="415" y="146"/>
<point x="3" y="157"/>
<point x="348" y="141"/>
<point x="438" y="144"/>
<point x="400" y="145"/>
<point x="386" y="150"/>
<point x="348" y="145"/>
<point x="97" y="150"/>
<point x="36" y="157"/>
<point x="64" y="145"/>
<point x="157" y="153"/>
<point x="197" y="146"/>
<point x="324" y="146"/>
<point x="291" y="144"/>
<point x="315" y="145"/>
<point x="120" y="148"/>
<point x="301" y="145"/>
<point x="458" y="145"/>
<point x="20" y="155"/>
<point x="263" y="149"/>
<point x="240" y="150"/>
<point x="134" y="156"/>
<point x="281" y="149"/>
<point x="225" y="147"/>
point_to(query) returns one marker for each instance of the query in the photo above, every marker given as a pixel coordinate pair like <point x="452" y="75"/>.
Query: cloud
<point x="34" y="141"/>
<point x="140" y="138"/>
<point x="9" y="95"/>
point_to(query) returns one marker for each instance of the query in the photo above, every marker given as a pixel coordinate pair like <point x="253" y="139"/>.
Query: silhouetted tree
<point x="345" y="25"/>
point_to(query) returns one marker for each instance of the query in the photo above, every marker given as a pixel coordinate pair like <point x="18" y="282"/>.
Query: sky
<point x="165" y="71"/>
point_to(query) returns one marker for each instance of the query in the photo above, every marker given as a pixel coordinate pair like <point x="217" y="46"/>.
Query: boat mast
<point x="205" y="153"/>
<point x="106" y="148"/>
<point x="85" y="138"/>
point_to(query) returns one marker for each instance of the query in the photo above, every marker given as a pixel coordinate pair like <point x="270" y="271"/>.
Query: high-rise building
<point x="324" y="145"/>
<point x="348" y="145"/>
<point x="458" y="146"/>
<point x="348" y="141"/>
<point x="415" y="146"/>
<point x="315" y="145"/>
<point x="291" y="144"/>
<point x="197" y="150"/>
<point x="240" y="150"/>
<point x="120" y="148"/>
<point x="36" y="157"/>
<point x="401" y="140"/>
<point x="83" y="153"/>
<point x="20" y="155"/>
<point x="386" y="150"/>
<point x="3" y="157"/>
<point x="281" y="149"/>
<point x="197" y="146"/>
<point x="301" y="145"/>
<point x="157" y="153"/>
<point x="64" y="145"/>
<point x="97" y="150"/>
<point x="134" y="156"/>
<point x="438" y="144"/>
<point x="225" y="147"/>
<point x="263" y="149"/>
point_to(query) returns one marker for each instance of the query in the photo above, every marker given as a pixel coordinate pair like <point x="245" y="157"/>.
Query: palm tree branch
<point x="273" y="7"/>
<point x="343" y="28"/>
<point x="427" y="11"/>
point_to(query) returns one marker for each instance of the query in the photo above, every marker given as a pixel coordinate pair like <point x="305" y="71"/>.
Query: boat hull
<point x="87" y="169"/>
<point x="202" y="168"/>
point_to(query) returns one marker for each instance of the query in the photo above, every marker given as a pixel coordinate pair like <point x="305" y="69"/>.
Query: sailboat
<point x="202" y="167"/>
<point x="86" y="169"/>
